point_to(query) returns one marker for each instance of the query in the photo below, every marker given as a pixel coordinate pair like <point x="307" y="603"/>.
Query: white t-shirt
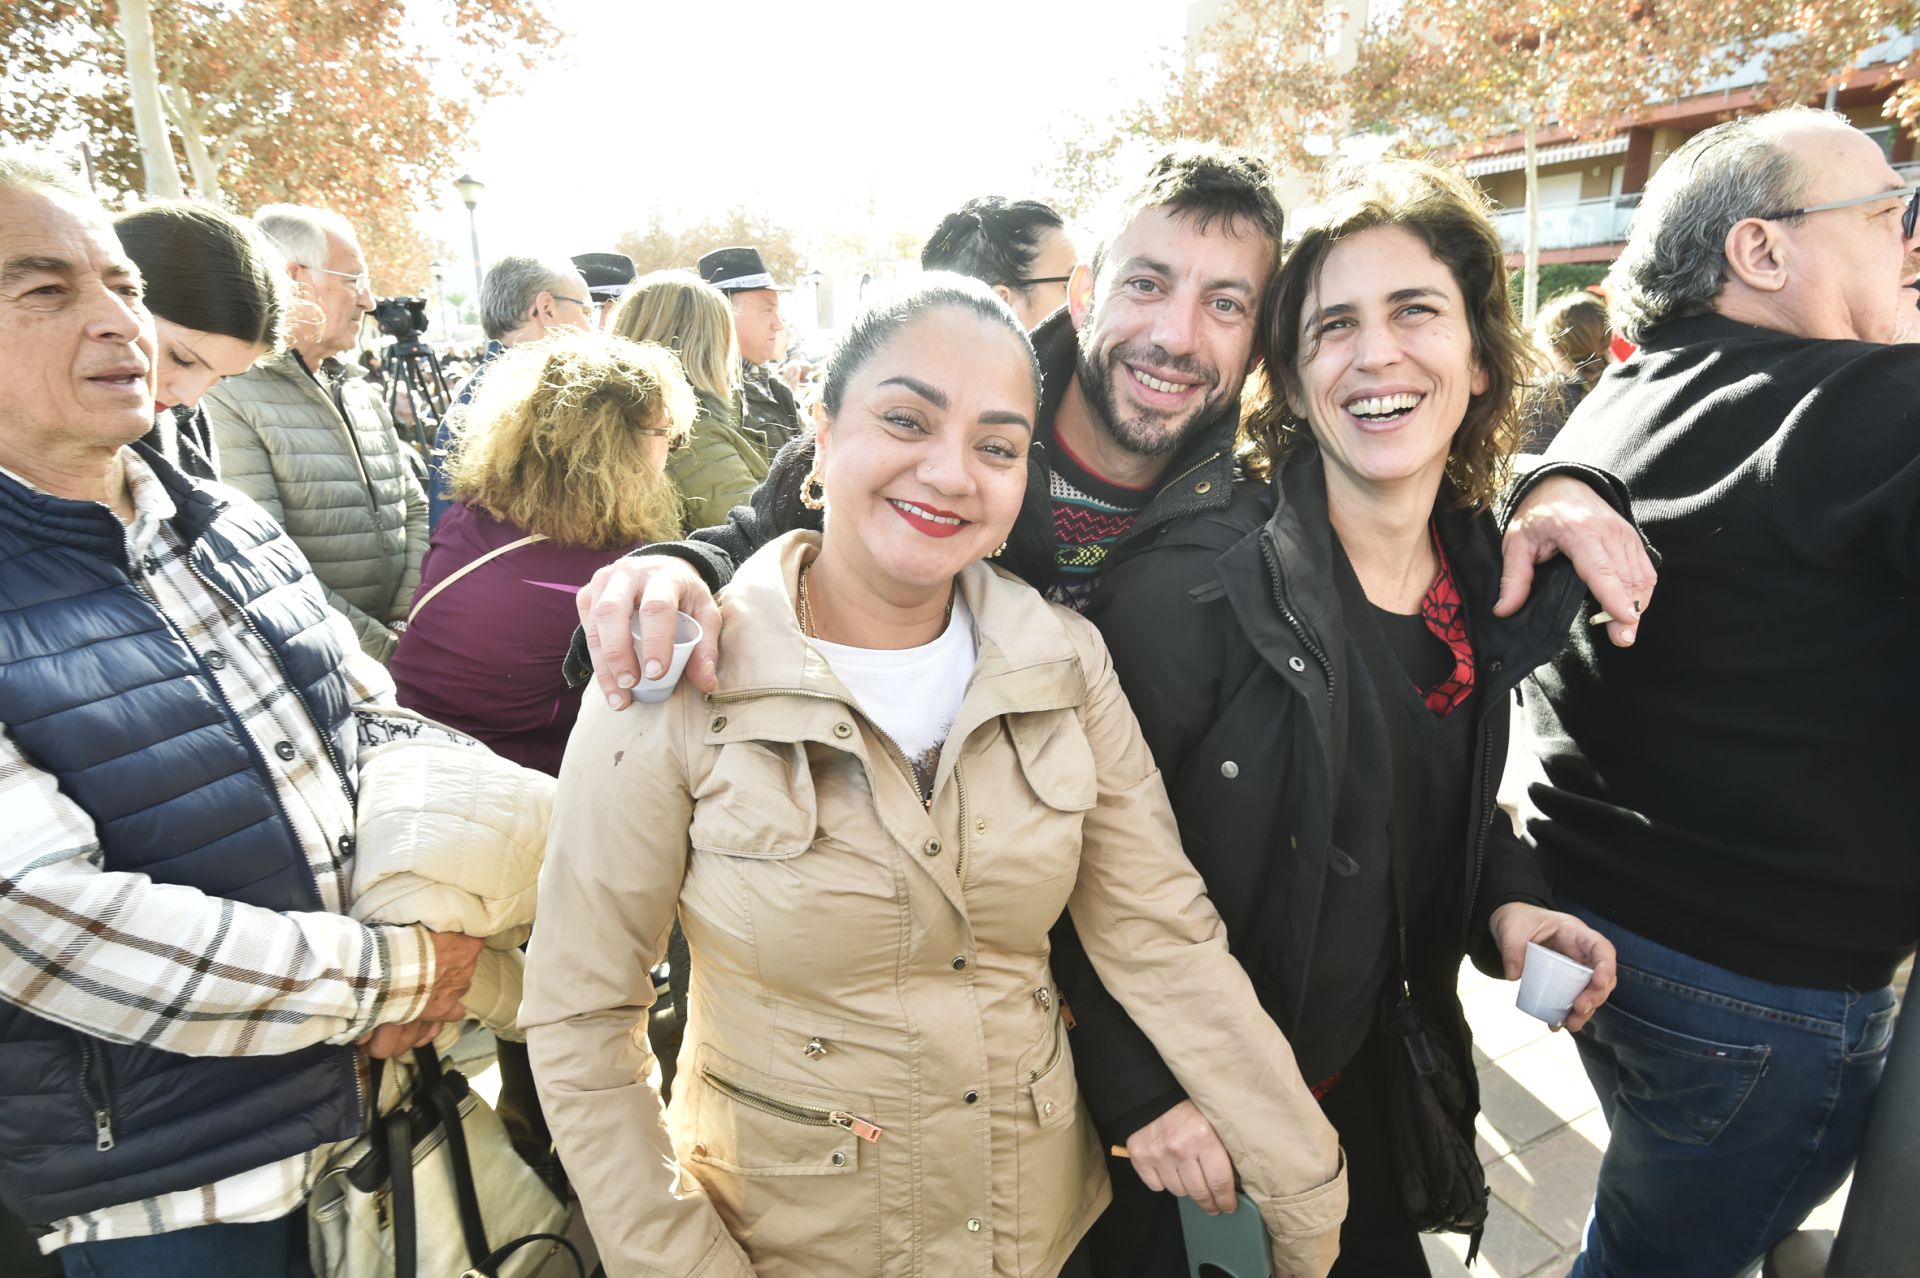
<point x="911" y="694"/>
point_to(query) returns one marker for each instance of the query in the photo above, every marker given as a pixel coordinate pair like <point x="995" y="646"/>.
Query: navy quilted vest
<point x="96" y="689"/>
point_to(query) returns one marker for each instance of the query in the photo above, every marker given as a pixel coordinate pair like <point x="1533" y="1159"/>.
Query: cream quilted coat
<point x="875" y="1078"/>
<point x="342" y="488"/>
<point x="451" y="835"/>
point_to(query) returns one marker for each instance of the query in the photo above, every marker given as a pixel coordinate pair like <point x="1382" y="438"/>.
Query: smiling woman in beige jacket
<point x="876" y="1078"/>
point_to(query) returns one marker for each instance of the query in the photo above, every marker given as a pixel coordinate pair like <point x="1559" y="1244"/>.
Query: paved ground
<point x="1541" y="1137"/>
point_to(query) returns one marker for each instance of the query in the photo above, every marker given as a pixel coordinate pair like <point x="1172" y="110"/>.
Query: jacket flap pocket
<point x="1055" y="1097"/>
<point x="1055" y="758"/>
<point x="757" y="800"/>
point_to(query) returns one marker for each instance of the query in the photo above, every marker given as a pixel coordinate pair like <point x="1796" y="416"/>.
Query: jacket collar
<point x="1291" y="560"/>
<point x="90" y="527"/>
<point x="780" y="685"/>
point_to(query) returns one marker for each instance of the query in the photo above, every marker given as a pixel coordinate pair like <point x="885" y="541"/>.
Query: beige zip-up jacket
<point x="875" y="1078"/>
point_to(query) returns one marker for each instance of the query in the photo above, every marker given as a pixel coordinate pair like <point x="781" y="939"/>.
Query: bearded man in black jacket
<point x="1729" y="802"/>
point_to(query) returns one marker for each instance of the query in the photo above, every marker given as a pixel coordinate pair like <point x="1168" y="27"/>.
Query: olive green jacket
<point x="720" y="464"/>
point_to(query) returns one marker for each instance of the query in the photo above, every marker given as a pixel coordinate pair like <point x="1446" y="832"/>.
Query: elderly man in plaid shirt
<point x="185" y="1011"/>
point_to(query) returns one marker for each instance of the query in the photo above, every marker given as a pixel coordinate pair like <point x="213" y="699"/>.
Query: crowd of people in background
<point x="1080" y="793"/>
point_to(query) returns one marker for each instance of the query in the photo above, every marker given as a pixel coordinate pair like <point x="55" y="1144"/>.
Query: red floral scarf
<point x="1445" y="614"/>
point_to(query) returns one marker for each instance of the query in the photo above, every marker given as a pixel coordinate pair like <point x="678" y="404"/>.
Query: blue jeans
<point x="1735" y="1108"/>
<point x="268" y="1249"/>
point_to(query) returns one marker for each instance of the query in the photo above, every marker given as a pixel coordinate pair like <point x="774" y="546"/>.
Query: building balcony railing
<point x="1593" y="222"/>
<point x="1569" y="226"/>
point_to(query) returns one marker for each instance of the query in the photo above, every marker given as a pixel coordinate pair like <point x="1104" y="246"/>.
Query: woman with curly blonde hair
<point x="557" y="467"/>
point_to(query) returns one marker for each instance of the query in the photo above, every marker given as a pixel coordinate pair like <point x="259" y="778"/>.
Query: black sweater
<point x="1735" y="786"/>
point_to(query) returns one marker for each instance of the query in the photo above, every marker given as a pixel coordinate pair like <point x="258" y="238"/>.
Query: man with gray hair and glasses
<point x="1729" y="800"/>
<point x="522" y="299"/>
<point x="309" y="440"/>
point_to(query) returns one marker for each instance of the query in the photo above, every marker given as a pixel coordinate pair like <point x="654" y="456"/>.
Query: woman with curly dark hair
<point x="1321" y="676"/>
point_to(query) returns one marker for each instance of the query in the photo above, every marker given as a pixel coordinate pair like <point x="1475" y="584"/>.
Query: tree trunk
<point x="143" y="93"/>
<point x="1530" y="275"/>
<point x="200" y="161"/>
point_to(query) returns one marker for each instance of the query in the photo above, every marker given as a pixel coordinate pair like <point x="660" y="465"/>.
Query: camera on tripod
<point x="401" y="318"/>
<point x="417" y="392"/>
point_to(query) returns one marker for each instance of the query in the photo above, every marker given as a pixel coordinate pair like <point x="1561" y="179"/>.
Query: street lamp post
<point x="470" y="187"/>
<point x="439" y="270"/>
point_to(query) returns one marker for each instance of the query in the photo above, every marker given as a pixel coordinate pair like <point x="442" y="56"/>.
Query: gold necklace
<point x="805" y="606"/>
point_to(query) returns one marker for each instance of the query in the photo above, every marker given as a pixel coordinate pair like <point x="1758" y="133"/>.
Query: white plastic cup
<point x="1549" y="983"/>
<point x="686" y="633"/>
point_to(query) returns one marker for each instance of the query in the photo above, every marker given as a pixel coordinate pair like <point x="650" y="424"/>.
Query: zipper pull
<point x="869" y="1132"/>
<point x="102" y="1130"/>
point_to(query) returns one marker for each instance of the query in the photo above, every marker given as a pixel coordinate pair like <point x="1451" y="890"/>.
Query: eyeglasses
<point x="362" y="281"/>
<point x="666" y="432"/>
<point x="583" y="303"/>
<point x="1908" y="220"/>
<point x="1042" y="279"/>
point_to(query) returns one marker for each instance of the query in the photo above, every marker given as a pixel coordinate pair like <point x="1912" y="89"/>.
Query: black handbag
<point x="1442" y="1183"/>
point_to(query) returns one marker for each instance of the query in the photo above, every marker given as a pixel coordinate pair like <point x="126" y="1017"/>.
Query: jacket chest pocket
<point x="1055" y="759"/>
<point x="756" y="801"/>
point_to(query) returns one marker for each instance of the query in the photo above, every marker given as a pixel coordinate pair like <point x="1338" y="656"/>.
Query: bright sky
<point x="837" y="116"/>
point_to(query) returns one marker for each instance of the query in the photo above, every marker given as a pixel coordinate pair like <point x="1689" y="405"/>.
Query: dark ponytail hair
<point x="207" y="270"/>
<point x="881" y="322"/>
<point x="991" y="239"/>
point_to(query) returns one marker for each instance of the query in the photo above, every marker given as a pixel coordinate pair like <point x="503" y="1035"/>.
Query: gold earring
<point x="998" y="551"/>
<point x="813" y="491"/>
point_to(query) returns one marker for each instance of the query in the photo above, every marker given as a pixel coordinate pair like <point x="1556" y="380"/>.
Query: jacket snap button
<point x="216" y="661"/>
<point x="1047" y="1109"/>
<point x="719" y="723"/>
<point x="971" y="1097"/>
<point x="843" y="730"/>
<point x="700" y="1151"/>
<point x="839" y="1159"/>
<point x="1204" y="487"/>
<point x="932" y="848"/>
<point x="1493" y="667"/>
<point x="284" y="749"/>
<point x="1229" y="769"/>
<point x="814" y="1049"/>
<point x="980" y="826"/>
<point x="1296" y="665"/>
<point x="346" y="845"/>
<point x="973" y="1226"/>
<point x="960" y="963"/>
<point x="150" y="565"/>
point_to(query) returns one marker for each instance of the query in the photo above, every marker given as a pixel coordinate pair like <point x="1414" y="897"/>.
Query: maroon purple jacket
<point x="485" y="655"/>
